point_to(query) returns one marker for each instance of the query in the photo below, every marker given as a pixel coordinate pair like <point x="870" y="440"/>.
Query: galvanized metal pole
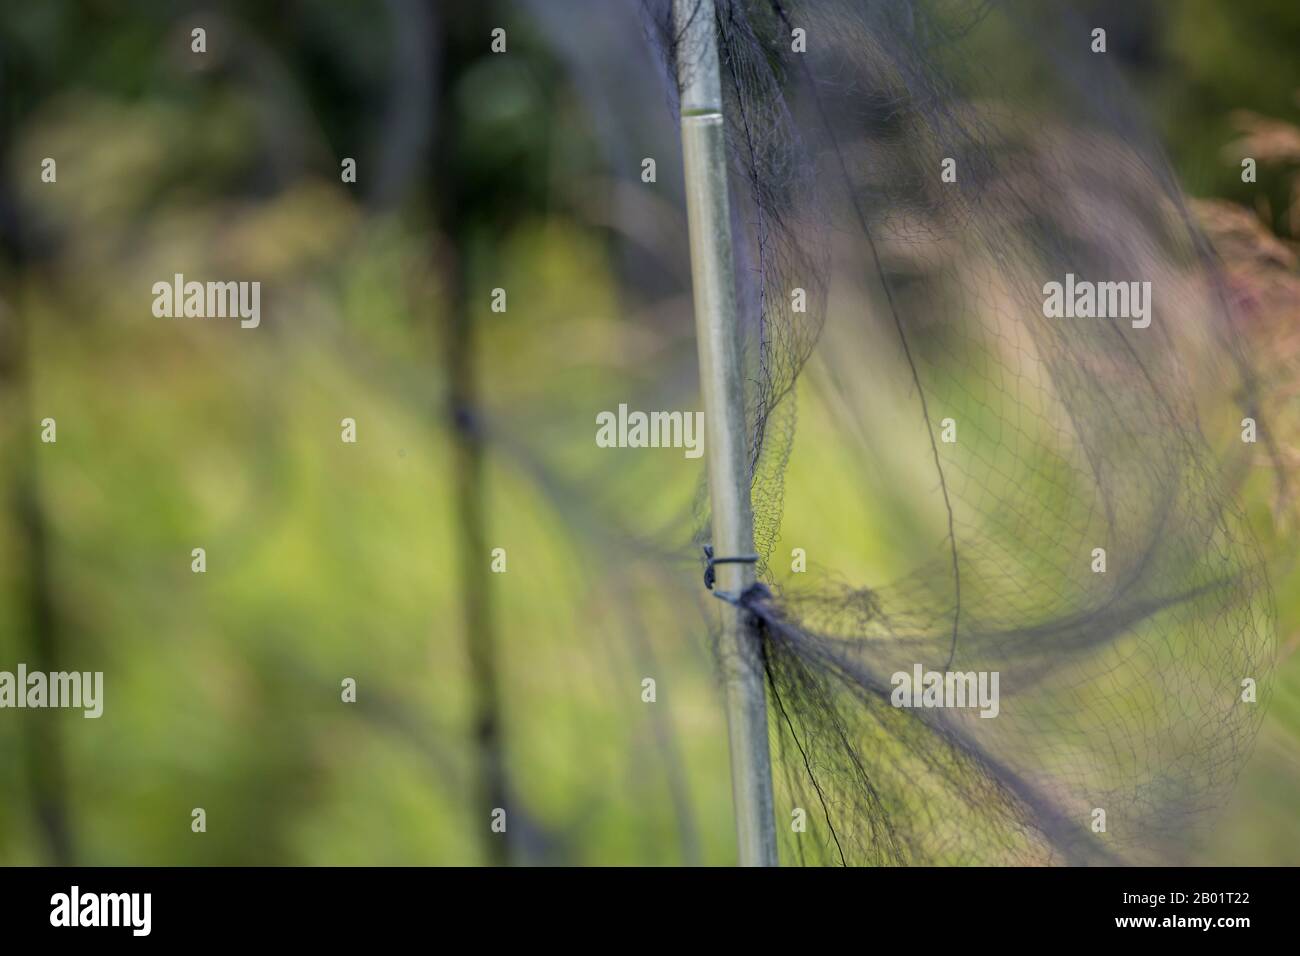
<point x="721" y="381"/>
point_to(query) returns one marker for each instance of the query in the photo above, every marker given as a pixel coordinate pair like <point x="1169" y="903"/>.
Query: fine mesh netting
<point x="945" y="477"/>
<point x="1051" y="498"/>
<point x="1120" y="689"/>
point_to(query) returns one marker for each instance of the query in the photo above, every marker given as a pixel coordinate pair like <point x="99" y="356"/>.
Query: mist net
<point x="1052" y="469"/>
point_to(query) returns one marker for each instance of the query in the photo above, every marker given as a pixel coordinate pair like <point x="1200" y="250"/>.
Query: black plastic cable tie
<point x="710" y="577"/>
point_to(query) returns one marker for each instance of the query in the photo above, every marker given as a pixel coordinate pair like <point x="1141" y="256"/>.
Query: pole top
<point x="698" y="75"/>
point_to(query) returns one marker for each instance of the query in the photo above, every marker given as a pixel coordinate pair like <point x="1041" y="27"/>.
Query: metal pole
<point x="721" y="382"/>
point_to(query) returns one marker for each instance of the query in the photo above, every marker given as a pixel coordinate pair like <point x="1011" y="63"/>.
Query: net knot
<point x="748" y="598"/>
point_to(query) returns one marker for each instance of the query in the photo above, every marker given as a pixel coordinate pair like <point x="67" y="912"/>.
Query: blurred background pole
<point x="465" y="38"/>
<point x="39" y="638"/>
<point x="721" y="383"/>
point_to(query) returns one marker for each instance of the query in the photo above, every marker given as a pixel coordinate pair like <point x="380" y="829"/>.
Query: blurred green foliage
<point x="327" y="560"/>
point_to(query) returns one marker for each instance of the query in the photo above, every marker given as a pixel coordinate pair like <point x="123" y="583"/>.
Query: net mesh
<point x="1016" y="444"/>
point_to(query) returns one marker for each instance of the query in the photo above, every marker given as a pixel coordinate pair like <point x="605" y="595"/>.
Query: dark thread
<point x="902" y="335"/>
<point x="821" y="798"/>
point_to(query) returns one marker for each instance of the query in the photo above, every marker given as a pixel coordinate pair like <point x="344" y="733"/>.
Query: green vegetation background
<point x="328" y="560"/>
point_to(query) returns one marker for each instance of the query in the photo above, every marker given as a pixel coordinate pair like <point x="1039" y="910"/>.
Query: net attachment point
<point x="755" y="591"/>
<point x="710" y="576"/>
